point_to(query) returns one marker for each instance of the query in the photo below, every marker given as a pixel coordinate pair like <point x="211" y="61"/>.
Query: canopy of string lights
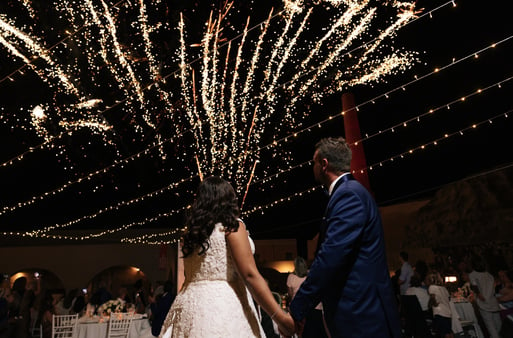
<point x="113" y="111"/>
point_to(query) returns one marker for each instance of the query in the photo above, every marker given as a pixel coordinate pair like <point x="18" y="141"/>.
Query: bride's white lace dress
<point x="214" y="301"/>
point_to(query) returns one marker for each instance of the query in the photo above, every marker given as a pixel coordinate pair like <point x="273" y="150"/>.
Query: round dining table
<point x="97" y="327"/>
<point x="462" y="310"/>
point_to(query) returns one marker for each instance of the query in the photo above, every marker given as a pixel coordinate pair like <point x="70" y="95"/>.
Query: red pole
<point x="352" y="133"/>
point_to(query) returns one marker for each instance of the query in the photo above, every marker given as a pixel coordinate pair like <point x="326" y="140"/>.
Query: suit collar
<point x="338" y="181"/>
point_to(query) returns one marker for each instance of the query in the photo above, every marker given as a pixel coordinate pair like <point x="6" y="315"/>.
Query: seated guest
<point x="417" y="290"/>
<point x="483" y="286"/>
<point x="47" y="311"/>
<point x="123" y="295"/>
<point x="65" y="305"/>
<point x="439" y="302"/>
<point x="160" y="308"/>
<point x="79" y="305"/>
<point x="4" y="316"/>
<point x="101" y="295"/>
<point x="504" y="289"/>
<point x="140" y="298"/>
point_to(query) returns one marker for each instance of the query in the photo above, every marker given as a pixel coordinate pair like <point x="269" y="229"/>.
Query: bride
<point x="219" y="270"/>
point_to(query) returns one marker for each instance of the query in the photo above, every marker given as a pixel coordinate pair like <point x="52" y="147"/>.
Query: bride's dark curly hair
<point x="215" y="202"/>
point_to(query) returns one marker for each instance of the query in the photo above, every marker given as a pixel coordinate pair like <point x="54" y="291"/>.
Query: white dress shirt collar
<point x="332" y="185"/>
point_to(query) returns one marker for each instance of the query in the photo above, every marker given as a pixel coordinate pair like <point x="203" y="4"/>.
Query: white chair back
<point x="63" y="326"/>
<point x="119" y="324"/>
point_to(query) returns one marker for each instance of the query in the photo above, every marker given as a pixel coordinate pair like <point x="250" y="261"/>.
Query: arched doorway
<point x="46" y="279"/>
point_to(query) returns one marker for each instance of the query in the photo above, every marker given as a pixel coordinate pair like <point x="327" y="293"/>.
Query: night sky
<point x="470" y="120"/>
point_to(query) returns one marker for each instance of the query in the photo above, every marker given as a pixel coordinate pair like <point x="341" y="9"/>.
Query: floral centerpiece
<point x="111" y="306"/>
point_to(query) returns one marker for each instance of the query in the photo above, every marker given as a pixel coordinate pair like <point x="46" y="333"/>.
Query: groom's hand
<point x="300" y="326"/>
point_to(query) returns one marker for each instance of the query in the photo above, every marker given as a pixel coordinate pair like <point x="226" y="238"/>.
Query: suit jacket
<point x="350" y="274"/>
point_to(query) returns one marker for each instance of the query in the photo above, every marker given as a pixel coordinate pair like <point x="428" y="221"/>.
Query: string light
<point x="141" y="198"/>
<point x="435" y="142"/>
<point x="114" y="207"/>
<point x="295" y="134"/>
<point x="111" y="31"/>
<point x="145" y="238"/>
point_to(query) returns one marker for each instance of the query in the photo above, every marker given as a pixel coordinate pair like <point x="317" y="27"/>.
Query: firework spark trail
<point x="205" y="76"/>
<point x="41" y="52"/>
<point x="222" y="105"/>
<point x="344" y="20"/>
<point x="286" y="55"/>
<point x="276" y="50"/>
<point x="187" y="86"/>
<point x="254" y="138"/>
<point x="386" y="66"/>
<point x="248" y="85"/>
<point x="103" y="50"/>
<point x="123" y="60"/>
<point x="108" y="33"/>
<point x="237" y="133"/>
<point x="28" y="6"/>
<point x="240" y="141"/>
<point x="332" y="56"/>
<point x="402" y="18"/>
<point x="218" y="125"/>
<point x="154" y="70"/>
<point x="327" y="53"/>
<point x="153" y="64"/>
<point x="13" y="50"/>
<point x="84" y="123"/>
<point x="388" y="63"/>
<point x="207" y="85"/>
<point x="198" y="130"/>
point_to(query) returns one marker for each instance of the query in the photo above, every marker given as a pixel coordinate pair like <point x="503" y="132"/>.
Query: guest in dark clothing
<point x="4" y="316"/>
<point x="101" y="295"/>
<point x="161" y="307"/>
<point x="421" y="268"/>
<point x="47" y="311"/>
<point x="140" y="299"/>
<point x="80" y="304"/>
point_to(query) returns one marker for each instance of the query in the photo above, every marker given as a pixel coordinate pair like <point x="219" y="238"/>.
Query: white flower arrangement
<point x="111" y="306"/>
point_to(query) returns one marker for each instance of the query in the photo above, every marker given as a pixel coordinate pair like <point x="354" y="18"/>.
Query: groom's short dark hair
<point x="336" y="151"/>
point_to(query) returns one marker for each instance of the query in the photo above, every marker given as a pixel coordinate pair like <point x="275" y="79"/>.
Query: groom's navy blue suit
<point x="349" y="274"/>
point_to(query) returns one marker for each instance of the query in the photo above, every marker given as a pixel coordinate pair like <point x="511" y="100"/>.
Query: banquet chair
<point x="469" y="328"/>
<point x="36" y="331"/>
<point x="415" y="324"/>
<point x="63" y="326"/>
<point x="119" y="324"/>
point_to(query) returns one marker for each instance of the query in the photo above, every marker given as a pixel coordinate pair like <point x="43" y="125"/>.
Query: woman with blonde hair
<point x="439" y="302"/>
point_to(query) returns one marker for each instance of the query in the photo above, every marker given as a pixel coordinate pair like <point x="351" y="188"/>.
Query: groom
<point x="349" y="274"/>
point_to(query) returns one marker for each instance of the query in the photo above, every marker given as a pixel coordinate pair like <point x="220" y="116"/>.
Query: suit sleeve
<point x="346" y="218"/>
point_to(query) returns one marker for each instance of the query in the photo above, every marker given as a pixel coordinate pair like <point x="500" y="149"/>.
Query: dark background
<point x="450" y="33"/>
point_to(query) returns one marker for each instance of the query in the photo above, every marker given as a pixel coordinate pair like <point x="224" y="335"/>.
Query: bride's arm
<point x="241" y="252"/>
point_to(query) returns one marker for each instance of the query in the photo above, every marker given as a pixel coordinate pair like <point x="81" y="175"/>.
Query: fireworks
<point x="234" y="87"/>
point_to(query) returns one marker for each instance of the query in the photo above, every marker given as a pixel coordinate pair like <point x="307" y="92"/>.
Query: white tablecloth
<point x="464" y="311"/>
<point x="140" y="327"/>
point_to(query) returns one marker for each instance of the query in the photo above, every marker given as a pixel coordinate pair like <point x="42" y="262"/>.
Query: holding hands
<point x="285" y="323"/>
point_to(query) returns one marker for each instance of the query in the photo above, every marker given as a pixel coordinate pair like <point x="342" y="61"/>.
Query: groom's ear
<point x="324" y="164"/>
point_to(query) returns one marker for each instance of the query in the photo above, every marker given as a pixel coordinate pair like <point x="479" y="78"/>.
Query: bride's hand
<point x="286" y="325"/>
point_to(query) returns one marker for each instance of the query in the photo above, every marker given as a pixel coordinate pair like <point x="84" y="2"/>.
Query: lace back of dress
<point x="215" y="264"/>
